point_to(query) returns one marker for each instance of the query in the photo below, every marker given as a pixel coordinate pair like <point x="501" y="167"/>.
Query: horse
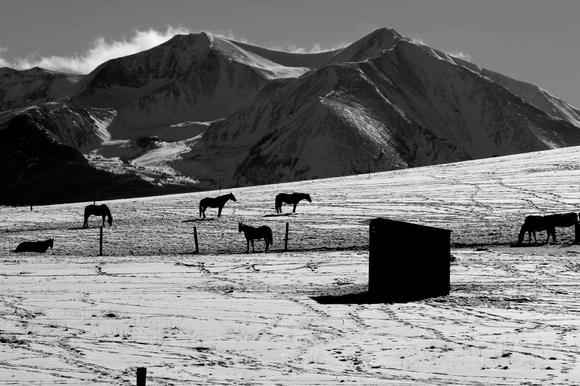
<point x="251" y="234"/>
<point x="217" y="202"/>
<point x="34" y="246"/>
<point x="533" y="224"/>
<point x="547" y="223"/>
<point x="290" y="198"/>
<point x="98" y="210"/>
<point x="562" y="220"/>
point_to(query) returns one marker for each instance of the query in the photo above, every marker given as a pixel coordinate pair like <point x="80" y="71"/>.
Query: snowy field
<point x="227" y="317"/>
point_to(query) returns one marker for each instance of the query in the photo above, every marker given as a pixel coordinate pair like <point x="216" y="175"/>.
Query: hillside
<point x="407" y="107"/>
<point x="226" y="317"/>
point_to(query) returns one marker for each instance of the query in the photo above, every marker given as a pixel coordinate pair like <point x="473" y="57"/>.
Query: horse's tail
<point x="270" y="236"/>
<point x="109" y="215"/>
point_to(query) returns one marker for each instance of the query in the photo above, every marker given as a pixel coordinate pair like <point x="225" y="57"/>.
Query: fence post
<point x="101" y="240"/>
<point x="286" y="238"/>
<point x="195" y="238"/>
<point x="141" y="376"/>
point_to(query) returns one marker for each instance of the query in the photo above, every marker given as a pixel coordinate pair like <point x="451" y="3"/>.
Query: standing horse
<point x="293" y="198"/>
<point x="251" y="234"/>
<point x="34" y="246"/>
<point x="98" y="210"/>
<point x="547" y="223"/>
<point x="533" y="224"/>
<point x="217" y="202"/>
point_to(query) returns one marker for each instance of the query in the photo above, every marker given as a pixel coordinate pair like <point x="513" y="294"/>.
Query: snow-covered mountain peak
<point x="195" y="42"/>
<point x="369" y="46"/>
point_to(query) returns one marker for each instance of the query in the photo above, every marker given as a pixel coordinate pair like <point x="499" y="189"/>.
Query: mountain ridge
<point x="232" y="113"/>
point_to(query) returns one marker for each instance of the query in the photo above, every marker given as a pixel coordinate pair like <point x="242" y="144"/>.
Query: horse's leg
<point x="294" y="208"/>
<point x="253" y="250"/>
<point x="220" y="211"/>
<point x="247" y="245"/>
<point x="85" y="223"/>
<point x="266" y="241"/>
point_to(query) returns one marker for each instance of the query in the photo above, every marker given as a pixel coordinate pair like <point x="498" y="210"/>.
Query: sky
<point x="537" y="41"/>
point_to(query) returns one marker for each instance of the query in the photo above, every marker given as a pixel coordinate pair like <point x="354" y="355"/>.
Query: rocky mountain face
<point x="225" y="113"/>
<point x="188" y="78"/>
<point x="29" y="87"/>
<point x="409" y="106"/>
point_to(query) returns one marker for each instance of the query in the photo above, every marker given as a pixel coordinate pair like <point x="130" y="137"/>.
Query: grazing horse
<point x="217" y="202"/>
<point x="293" y="198"/>
<point x="98" y="210"/>
<point x="251" y="233"/>
<point x="34" y="246"/>
<point x="533" y="224"/>
<point x="547" y="223"/>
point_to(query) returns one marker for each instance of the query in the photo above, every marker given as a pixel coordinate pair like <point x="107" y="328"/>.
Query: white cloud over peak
<point x="460" y="55"/>
<point x="100" y="51"/>
<point x="103" y="50"/>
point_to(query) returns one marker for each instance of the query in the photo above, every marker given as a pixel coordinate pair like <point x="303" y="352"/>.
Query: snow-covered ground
<point x="223" y="316"/>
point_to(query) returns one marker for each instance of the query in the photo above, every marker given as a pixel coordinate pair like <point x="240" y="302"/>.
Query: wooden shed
<point x="408" y="261"/>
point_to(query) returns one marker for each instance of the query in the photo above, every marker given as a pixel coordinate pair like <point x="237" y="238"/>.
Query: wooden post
<point x="101" y="241"/>
<point x="195" y="238"/>
<point x="286" y="238"/>
<point x="141" y="376"/>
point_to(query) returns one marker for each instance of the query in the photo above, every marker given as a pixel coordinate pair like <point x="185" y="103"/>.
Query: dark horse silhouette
<point x="548" y="223"/>
<point x="217" y="202"/>
<point x="290" y="198"/>
<point x="98" y="210"/>
<point x="34" y="246"/>
<point x="251" y="233"/>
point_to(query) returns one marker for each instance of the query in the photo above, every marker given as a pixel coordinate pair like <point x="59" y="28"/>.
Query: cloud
<point x="100" y="51"/>
<point x="3" y="62"/>
<point x="460" y="55"/>
<point x="417" y="39"/>
<point x="103" y="50"/>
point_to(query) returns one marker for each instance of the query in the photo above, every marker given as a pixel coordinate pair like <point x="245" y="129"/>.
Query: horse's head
<point x="308" y="198"/>
<point x="50" y="243"/>
<point x="240" y="227"/>
<point x="231" y="196"/>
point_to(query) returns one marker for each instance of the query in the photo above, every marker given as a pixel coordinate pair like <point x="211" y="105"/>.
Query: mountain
<point x="40" y="166"/>
<point x="195" y="77"/>
<point x="72" y="125"/>
<point x="36" y="85"/>
<point x="409" y="106"/>
<point x="204" y="111"/>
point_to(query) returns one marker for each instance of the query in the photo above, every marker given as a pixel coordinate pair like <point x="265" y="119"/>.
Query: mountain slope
<point x="217" y="112"/>
<point x="188" y="78"/>
<point x="410" y="106"/>
<point x="36" y="85"/>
